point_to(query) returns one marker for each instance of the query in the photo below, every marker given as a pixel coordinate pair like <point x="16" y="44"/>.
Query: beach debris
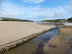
<point x="52" y="45"/>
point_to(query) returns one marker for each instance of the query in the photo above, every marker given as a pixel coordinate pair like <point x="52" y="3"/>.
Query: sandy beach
<point x="11" y="31"/>
<point x="60" y="44"/>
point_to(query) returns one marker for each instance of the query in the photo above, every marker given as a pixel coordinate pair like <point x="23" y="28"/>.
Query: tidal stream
<point x="34" y="46"/>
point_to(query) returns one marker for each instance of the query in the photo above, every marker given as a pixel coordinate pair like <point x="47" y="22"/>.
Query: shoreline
<point x="61" y="43"/>
<point x="17" y="42"/>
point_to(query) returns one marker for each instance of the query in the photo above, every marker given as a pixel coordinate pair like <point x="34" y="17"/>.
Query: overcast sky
<point x="36" y="10"/>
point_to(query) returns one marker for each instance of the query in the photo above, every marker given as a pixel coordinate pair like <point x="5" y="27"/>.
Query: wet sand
<point x="11" y="31"/>
<point x="34" y="46"/>
<point x="60" y="44"/>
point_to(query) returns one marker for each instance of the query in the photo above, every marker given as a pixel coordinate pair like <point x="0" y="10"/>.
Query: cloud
<point x="71" y="1"/>
<point x="14" y="10"/>
<point x="8" y="13"/>
<point x="8" y="8"/>
<point x="68" y="11"/>
<point x="34" y="1"/>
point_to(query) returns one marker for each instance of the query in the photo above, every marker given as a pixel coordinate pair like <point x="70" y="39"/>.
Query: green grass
<point x="70" y="19"/>
<point x="11" y="19"/>
<point x="57" y="20"/>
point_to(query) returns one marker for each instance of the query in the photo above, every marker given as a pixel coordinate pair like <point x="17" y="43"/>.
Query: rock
<point x="53" y="46"/>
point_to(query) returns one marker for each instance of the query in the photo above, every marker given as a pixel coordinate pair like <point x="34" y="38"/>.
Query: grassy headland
<point x="70" y="19"/>
<point x="12" y="19"/>
<point x="57" y="20"/>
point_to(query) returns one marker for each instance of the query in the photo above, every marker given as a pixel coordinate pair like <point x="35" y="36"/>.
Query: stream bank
<point x="14" y="33"/>
<point x="34" y="46"/>
<point x="61" y="43"/>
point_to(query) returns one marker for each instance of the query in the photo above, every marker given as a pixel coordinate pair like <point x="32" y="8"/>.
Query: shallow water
<point x="34" y="46"/>
<point x="45" y="23"/>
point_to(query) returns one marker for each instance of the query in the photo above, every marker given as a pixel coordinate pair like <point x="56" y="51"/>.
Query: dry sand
<point x="11" y="31"/>
<point x="60" y="44"/>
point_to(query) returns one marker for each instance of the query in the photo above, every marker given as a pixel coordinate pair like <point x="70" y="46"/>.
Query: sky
<point x="36" y="10"/>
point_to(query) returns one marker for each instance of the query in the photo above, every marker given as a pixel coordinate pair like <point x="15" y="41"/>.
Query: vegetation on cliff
<point x="57" y="20"/>
<point x="12" y="19"/>
<point x="70" y="19"/>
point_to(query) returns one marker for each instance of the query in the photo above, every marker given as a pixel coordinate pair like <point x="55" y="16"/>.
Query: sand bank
<point x="15" y="32"/>
<point x="60" y="44"/>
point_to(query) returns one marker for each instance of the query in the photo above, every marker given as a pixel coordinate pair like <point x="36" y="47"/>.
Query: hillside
<point x="12" y="19"/>
<point x="70" y="19"/>
<point x="57" y="20"/>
